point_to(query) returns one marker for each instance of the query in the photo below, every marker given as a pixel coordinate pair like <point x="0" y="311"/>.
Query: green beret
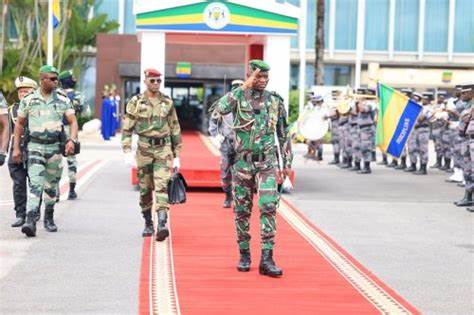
<point x="258" y="64"/>
<point x="65" y="74"/>
<point x="48" y="69"/>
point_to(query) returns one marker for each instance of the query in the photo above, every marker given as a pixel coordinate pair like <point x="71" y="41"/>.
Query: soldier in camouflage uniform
<point x="466" y="132"/>
<point x="4" y="128"/>
<point x="438" y="125"/>
<point x="18" y="171"/>
<point x="419" y="139"/>
<point x="258" y="115"/>
<point x="335" y="135"/>
<point x="365" y="121"/>
<point x="222" y="127"/>
<point x="44" y="110"/>
<point x="152" y="116"/>
<point x="450" y="133"/>
<point x="68" y="83"/>
<point x="354" y="134"/>
<point x="345" y="141"/>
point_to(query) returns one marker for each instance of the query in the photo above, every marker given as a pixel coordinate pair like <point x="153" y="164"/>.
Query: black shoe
<point x="148" y="230"/>
<point x="244" y="261"/>
<point x="320" y="155"/>
<point x="20" y="220"/>
<point x="393" y="164"/>
<point x="267" y="265"/>
<point x="412" y="168"/>
<point x="403" y="164"/>
<point x="384" y="160"/>
<point x="336" y="159"/>
<point x="438" y="163"/>
<point x="72" y="193"/>
<point x="447" y="165"/>
<point x="366" y="169"/>
<point x="373" y="157"/>
<point x="450" y="171"/>
<point x="162" y="231"/>
<point x="49" y="221"/>
<point x="470" y="210"/>
<point x="343" y="163"/>
<point x="348" y="164"/>
<point x="466" y="201"/>
<point x="29" y="228"/>
<point x="228" y="199"/>
<point x="422" y="170"/>
<point x="356" y="166"/>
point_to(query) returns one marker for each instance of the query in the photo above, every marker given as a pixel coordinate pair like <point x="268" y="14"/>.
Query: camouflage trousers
<point x="437" y="135"/>
<point x="247" y="178"/>
<point x="447" y="138"/>
<point x="367" y="142"/>
<point x="355" y="139"/>
<point x="336" y="139"/>
<point x="457" y="148"/>
<point x="227" y="160"/>
<point x="418" y="145"/>
<point x="71" y="162"/>
<point x="468" y="171"/>
<point x="44" y="171"/>
<point x="346" y="141"/>
<point x="154" y="171"/>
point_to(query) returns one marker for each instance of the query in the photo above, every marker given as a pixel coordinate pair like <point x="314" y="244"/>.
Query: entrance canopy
<point x="264" y="28"/>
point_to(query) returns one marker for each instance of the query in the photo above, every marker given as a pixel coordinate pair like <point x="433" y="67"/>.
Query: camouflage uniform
<point x="3" y="105"/>
<point x="256" y="158"/>
<point x="345" y="138"/>
<point x="419" y="139"/>
<point x="365" y="121"/>
<point x="156" y="123"/>
<point x="438" y="127"/>
<point x="335" y="134"/>
<point x="469" y="152"/>
<point x="449" y="134"/>
<point x="354" y="134"/>
<point x="44" y="156"/>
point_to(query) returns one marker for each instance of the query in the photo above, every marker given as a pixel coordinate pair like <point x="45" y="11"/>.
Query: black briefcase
<point x="177" y="189"/>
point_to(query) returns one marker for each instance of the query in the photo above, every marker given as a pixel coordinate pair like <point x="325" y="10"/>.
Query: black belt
<point x="253" y="157"/>
<point x="363" y="126"/>
<point x="422" y="126"/>
<point x="156" y="141"/>
<point x="354" y="124"/>
<point x="42" y="141"/>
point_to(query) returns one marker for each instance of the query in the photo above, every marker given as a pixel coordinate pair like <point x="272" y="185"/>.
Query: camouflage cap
<point x="258" y="64"/>
<point x="66" y="74"/>
<point x="48" y="69"/>
<point x="25" y="82"/>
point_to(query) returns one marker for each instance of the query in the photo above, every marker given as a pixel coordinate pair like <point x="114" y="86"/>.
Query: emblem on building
<point x="216" y="15"/>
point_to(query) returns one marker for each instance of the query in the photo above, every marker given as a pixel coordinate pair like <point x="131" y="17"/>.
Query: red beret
<point x="150" y="72"/>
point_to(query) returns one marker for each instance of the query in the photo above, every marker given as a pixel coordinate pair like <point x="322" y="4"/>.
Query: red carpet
<point x="205" y="256"/>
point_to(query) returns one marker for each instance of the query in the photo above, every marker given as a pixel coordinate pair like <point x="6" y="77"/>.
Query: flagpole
<point x="50" y="33"/>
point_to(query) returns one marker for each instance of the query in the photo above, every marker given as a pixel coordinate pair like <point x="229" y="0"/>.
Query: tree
<point x="319" y="44"/>
<point x="74" y="38"/>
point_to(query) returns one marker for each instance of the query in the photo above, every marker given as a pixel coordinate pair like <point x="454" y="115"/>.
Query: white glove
<point x="129" y="159"/>
<point x="176" y="163"/>
<point x="220" y="138"/>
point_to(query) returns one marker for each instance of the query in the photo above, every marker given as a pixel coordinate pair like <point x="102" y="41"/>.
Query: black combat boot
<point x="343" y="163"/>
<point x="412" y="168"/>
<point x="447" y="165"/>
<point x="148" y="230"/>
<point x="348" y="164"/>
<point x="228" y="199"/>
<point x="336" y="159"/>
<point x="393" y="164"/>
<point x="244" y="261"/>
<point x="422" y="170"/>
<point x="267" y="265"/>
<point x="49" y="220"/>
<point x="466" y="201"/>
<point x="20" y="218"/>
<point x="29" y="228"/>
<point x="374" y="156"/>
<point x="320" y="155"/>
<point x="366" y="169"/>
<point x="162" y="231"/>
<point x="438" y="162"/>
<point x="384" y="160"/>
<point x="72" y="193"/>
<point x="356" y="166"/>
<point x="402" y="165"/>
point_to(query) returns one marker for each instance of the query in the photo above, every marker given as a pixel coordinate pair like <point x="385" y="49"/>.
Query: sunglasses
<point x="155" y="80"/>
<point x="53" y="79"/>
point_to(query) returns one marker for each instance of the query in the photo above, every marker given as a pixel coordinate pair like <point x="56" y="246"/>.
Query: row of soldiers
<point x="36" y="126"/>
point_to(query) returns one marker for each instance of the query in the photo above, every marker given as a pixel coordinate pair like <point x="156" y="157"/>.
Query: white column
<point x="391" y="29"/>
<point x="121" y="16"/>
<point x="49" y="59"/>
<point x="277" y="55"/>
<point x="360" y="40"/>
<point x="452" y="16"/>
<point x="421" y="29"/>
<point x="302" y="51"/>
<point x="152" y="54"/>
<point x="332" y="26"/>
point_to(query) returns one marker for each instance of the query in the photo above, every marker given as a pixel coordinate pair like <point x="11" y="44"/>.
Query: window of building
<point x="333" y="75"/>
<point x="129" y="27"/>
<point x="436" y="25"/>
<point x="406" y="25"/>
<point x="346" y="24"/>
<point x="376" y="24"/>
<point x="464" y="27"/>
